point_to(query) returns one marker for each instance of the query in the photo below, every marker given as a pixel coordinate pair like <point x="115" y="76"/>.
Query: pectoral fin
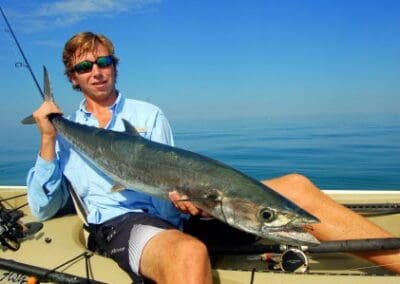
<point x="118" y="187"/>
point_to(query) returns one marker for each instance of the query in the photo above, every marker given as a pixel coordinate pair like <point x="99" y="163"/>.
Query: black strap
<point x="98" y="234"/>
<point x="78" y="202"/>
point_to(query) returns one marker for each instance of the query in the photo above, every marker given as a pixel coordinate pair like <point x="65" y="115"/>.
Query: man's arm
<point x="46" y="190"/>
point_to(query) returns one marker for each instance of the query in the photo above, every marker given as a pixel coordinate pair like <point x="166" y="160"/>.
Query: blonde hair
<point x="85" y="42"/>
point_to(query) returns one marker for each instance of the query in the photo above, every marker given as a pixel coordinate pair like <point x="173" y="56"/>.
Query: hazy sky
<point x="218" y="58"/>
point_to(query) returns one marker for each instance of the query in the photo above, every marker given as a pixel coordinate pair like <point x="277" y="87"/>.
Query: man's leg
<point x="174" y="257"/>
<point x="147" y="245"/>
<point x="337" y="222"/>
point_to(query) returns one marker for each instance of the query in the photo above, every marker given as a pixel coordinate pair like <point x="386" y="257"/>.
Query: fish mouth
<point x="294" y="232"/>
<point x="293" y="236"/>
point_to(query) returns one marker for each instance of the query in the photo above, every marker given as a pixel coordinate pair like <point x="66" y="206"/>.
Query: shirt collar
<point x="115" y="107"/>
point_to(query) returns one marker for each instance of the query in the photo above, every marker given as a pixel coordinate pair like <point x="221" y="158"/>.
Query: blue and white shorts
<point x="124" y="238"/>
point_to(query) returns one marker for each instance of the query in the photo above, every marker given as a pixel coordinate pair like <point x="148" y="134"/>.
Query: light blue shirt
<point x="47" y="192"/>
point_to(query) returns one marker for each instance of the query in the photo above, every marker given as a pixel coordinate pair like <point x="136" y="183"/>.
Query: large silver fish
<point x="156" y="169"/>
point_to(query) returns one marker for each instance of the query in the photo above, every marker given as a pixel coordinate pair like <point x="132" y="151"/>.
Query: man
<point x="151" y="244"/>
<point x="143" y="226"/>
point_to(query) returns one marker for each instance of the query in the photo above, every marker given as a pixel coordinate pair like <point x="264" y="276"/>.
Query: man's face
<point x="98" y="84"/>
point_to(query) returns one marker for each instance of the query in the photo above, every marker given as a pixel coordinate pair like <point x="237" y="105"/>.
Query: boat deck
<point x="61" y="239"/>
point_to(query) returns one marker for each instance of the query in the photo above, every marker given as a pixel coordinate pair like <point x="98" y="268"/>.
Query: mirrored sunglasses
<point x="87" y="65"/>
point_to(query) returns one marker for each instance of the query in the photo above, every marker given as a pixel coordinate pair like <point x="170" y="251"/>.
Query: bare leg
<point x="337" y="222"/>
<point x="175" y="257"/>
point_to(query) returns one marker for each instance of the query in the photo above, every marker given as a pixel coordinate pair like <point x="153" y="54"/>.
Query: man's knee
<point x="298" y="180"/>
<point x="294" y="186"/>
<point x="293" y="181"/>
<point x="194" y="259"/>
<point x="192" y="250"/>
<point x="184" y="251"/>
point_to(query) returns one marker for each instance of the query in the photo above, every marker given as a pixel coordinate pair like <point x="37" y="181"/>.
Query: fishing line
<point x="13" y="197"/>
<point x="84" y="255"/>
<point x="19" y="207"/>
<point x="253" y="271"/>
<point x="88" y="267"/>
<point x="25" y="63"/>
<point x="6" y="36"/>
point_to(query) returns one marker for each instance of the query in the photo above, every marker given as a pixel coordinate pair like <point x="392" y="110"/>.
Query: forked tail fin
<point x="28" y="120"/>
<point x="47" y="95"/>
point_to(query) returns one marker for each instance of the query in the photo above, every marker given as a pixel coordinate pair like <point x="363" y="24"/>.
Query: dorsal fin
<point x="129" y="128"/>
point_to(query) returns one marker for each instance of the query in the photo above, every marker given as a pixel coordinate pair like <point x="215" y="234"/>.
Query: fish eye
<point x="211" y="196"/>
<point x="266" y="215"/>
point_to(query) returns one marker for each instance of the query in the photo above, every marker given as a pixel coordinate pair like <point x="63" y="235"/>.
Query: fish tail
<point x="48" y="96"/>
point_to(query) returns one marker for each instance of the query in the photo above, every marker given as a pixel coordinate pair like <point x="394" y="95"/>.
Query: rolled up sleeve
<point x="46" y="189"/>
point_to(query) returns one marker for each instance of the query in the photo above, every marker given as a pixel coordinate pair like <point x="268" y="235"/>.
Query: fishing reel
<point x="11" y="230"/>
<point x="291" y="259"/>
<point x="294" y="260"/>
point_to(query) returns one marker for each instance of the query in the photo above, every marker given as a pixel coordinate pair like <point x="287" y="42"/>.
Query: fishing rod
<point x="43" y="274"/>
<point x="355" y="245"/>
<point x="26" y="63"/>
<point x="294" y="259"/>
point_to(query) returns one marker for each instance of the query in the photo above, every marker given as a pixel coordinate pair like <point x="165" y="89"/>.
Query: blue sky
<point x="217" y="58"/>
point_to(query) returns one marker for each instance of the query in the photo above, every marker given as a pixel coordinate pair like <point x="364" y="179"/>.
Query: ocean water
<point x="352" y="152"/>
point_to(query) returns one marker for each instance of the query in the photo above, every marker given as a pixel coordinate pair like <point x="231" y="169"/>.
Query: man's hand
<point x="47" y="131"/>
<point x="41" y="116"/>
<point x="184" y="205"/>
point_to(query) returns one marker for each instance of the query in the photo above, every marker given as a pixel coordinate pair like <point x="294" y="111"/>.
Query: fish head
<point x="281" y="222"/>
